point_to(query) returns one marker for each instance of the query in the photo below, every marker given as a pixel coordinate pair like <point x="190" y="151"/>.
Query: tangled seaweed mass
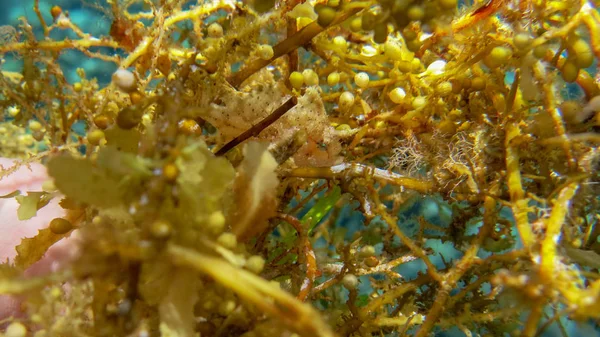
<point x="259" y="168"/>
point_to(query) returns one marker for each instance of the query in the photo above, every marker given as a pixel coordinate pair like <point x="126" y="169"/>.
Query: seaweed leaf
<point x="80" y="180"/>
<point x="7" y="271"/>
<point x="155" y="279"/>
<point x="202" y="181"/>
<point x="120" y="164"/>
<point x="298" y="316"/>
<point x="31" y="203"/>
<point x="255" y="190"/>
<point x="33" y="249"/>
<point x="177" y="308"/>
<point x="123" y="140"/>
<point x="321" y="208"/>
<point x="583" y="257"/>
<point x="11" y="194"/>
<point x="16" y="286"/>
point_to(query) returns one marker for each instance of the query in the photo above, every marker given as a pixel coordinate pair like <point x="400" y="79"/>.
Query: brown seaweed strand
<point x="256" y="129"/>
<point x="308" y="253"/>
<point x="293" y="42"/>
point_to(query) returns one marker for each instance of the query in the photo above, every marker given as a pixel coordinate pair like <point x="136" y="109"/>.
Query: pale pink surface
<point x="12" y="230"/>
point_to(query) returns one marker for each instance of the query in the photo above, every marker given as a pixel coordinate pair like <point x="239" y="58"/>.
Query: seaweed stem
<point x="308" y="253"/>
<point x="293" y="42"/>
<point x="355" y="170"/>
<point x="259" y="127"/>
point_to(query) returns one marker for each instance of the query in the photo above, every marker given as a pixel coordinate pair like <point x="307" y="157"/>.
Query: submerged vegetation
<point x="253" y="168"/>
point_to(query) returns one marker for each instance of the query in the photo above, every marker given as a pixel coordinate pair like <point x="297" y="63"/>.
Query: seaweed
<point x="275" y="168"/>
